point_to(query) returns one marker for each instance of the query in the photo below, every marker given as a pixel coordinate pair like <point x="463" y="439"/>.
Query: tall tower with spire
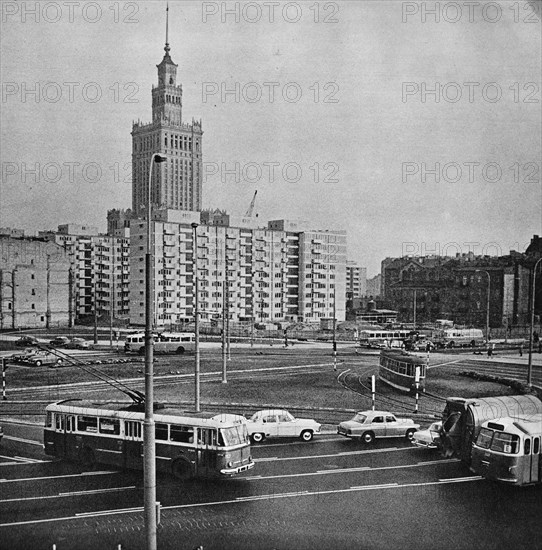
<point x="177" y="183"/>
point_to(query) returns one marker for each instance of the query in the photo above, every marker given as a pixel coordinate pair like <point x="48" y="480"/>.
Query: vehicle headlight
<point x="230" y="464"/>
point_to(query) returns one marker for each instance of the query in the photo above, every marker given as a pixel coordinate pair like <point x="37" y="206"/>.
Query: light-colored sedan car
<point x="429" y="438"/>
<point x="42" y="358"/>
<point x="280" y="423"/>
<point x="78" y="343"/>
<point x="369" y="425"/>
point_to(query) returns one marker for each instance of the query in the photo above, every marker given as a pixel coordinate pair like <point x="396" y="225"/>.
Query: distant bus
<point x="508" y="450"/>
<point x="382" y="338"/>
<point x="398" y="369"/>
<point x="188" y="444"/>
<point x="456" y="337"/>
<point x="165" y="342"/>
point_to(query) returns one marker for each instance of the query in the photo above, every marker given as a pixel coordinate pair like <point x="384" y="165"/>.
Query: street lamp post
<point x="487" y="301"/>
<point x="196" y="314"/>
<point x="530" y="364"/>
<point x="149" y="448"/>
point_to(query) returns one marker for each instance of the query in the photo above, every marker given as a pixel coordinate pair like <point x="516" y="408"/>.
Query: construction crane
<point x="250" y="210"/>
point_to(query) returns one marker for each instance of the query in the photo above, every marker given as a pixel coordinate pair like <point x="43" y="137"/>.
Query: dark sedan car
<point x="60" y="341"/>
<point x="25" y="341"/>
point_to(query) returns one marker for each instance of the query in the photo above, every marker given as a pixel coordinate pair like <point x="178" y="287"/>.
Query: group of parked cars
<point x="365" y="426"/>
<point x="38" y="356"/>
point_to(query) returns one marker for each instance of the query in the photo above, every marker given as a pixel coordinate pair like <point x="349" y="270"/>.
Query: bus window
<point x="484" y="438"/>
<point x="181" y="434"/>
<point x="527" y="448"/>
<point x="207" y="437"/>
<point x="536" y="446"/>
<point x="161" y="431"/>
<point x="109" y="426"/>
<point x="70" y="423"/>
<point x="505" y="443"/>
<point x="87" y="424"/>
<point x="49" y="420"/>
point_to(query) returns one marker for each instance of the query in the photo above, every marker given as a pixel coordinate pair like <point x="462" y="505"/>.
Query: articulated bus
<point x="397" y="369"/>
<point x="382" y="338"/>
<point x="508" y="450"/>
<point x="188" y="444"/>
<point x="165" y="342"/>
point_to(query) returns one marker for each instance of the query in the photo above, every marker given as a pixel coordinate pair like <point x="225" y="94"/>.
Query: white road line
<point x="350" y="470"/>
<point x="82" y="474"/>
<point x="443" y="364"/>
<point x="22" y="440"/>
<point x="318" y="493"/>
<point x="371" y="487"/>
<point x="74" y="494"/>
<point x="346" y="453"/>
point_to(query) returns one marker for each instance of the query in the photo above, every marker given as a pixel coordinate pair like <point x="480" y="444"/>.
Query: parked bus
<point x="382" y="338"/>
<point x="508" y="449"/>
<point x="459" y="337"/>
<point x="165" y="342"/>
<point x="397" y="368"/>
<point x="462" y="419"/>
<point x="188" y="444"/>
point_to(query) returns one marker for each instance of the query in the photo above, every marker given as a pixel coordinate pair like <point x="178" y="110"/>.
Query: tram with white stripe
<point x="397" y="368"/>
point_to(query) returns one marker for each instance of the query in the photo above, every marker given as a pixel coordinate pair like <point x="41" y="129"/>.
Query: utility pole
<point x="112" y="295"/>
<point x="48" y="294"/>
<point x="196" y="315"/>
<point x="224" y="313"/>
<point x="13" y="295"/>
<point x="70" y="296"/>
<point x="415" y="307"/>
<point x="531" y="329"/>
<point x="335" y="329"/>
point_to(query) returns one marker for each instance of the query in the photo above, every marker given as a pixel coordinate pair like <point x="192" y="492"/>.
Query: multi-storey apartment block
<point x="255" y="274"/>
<point x="356" y="280"/>
<point x="100" y="266"/>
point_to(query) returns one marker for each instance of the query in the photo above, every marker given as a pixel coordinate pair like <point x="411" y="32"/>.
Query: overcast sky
<point x="344" y="143"/>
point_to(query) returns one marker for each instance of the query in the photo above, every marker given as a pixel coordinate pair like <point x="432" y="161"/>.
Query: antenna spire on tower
<point x="167" y="48"/>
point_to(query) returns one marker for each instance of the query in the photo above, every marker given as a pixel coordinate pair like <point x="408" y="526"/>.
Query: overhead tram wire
<point x="135" y="395"/>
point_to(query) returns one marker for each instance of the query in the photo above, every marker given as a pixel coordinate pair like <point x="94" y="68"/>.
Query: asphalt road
<point x="331" y="493"/>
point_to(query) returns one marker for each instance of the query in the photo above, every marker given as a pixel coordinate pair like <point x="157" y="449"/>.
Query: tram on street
<point x="508" y="450"/>
<point x="188" y="444"/>
<point x="165" y="342"/>
<point x="397" y="368"/>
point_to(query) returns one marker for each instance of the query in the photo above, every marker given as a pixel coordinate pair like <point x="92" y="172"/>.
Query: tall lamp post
<point x="149" y="448"/>
<point x="196" y="313"/>
<point x="530" y="364"/>
<point x="487" y="301"/>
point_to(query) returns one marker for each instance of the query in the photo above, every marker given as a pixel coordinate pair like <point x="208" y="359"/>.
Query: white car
<point x="280" y="423"/>
<point x="367" y="425"/>
<point x="428" y="438"/>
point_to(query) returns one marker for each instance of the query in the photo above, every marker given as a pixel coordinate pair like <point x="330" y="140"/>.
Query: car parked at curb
<point x="78" y="343"/>
<point x="25" y="341"/>
<point x="280" y="423"/>
<point x="42" y="358"/>
<point x="429" y="438"/>
<point x="368" y="425"/>
<point x="22" y="357"/>
<point x="60" y="341"/>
